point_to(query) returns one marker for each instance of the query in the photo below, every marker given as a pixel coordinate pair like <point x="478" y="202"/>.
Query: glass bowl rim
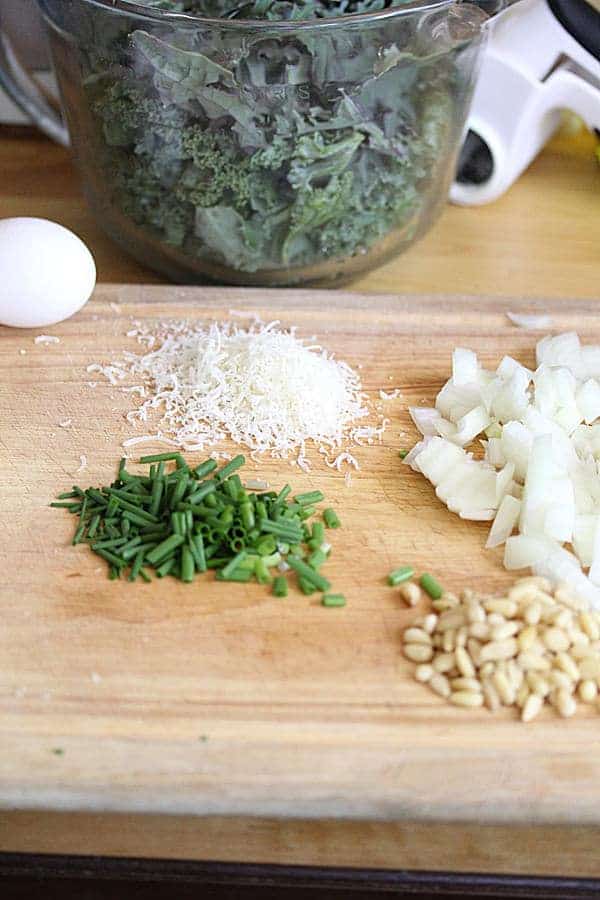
<point x="131" y="7"/>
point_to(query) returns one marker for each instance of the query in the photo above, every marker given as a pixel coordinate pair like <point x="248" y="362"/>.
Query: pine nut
<point x="450" y="620"/>
<point x="531" y="707"/>
<point x="533" y="613"/>
<point x="475" y="613"/>
<point x="589" y="626"/>
<point x="555" y="639"/>
<point x="563" y="618"/>
<point x="523" y="593"/>
<point x="461" y="636"/>
<point x="424" y="672"/>
<point x="589" y="667"/>
<point x="588" y="691"/>
<point x="527" y="637"/>
<point x="444" y="662"/>
<point x="464" y="663"/>
<point x="479" y="630"/>
<point x="495" y="619"/>
<point x="465" y="684"/>
<point x="507" y="608"/>
<point x="529" y="660"/>
<point x="418" y="653"/>
<point x="501" y="632"/>
<point x="582" y="651"/>
<point x="567" y="664"/>
<point x="538" y="685"/>
<point x="487" y="669"/>
<point x="429" y="623"/>
<point x="504" y="687"/>
<point x="410" y="593"/>
<point x="499" y="650"/>
<point x="490" y="695"/>
<point x="577" y="636"/>
<point x="522" y="695"/>
<point x="514" y="673"/>
<point x="443" y="605"/>
<point x="563" y="595"/>
<point x="449" y="640"/>
<point x="532" y="582"/>
<point x="416" y="636"/>
<point x="440" y="685"/>
<point x="560" y="679"/>
<point x="474" y="651"/>
<point x="466" y="698"/>
<point x="565" y="703"/>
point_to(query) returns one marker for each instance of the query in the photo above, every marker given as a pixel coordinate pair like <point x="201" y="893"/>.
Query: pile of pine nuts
<point x="529" y="647"/>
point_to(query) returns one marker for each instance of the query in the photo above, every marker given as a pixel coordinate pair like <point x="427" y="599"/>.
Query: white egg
<point x="46" y="273"/>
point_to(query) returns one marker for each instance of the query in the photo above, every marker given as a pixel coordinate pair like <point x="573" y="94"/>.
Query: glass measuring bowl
<point x="263" y="152"/>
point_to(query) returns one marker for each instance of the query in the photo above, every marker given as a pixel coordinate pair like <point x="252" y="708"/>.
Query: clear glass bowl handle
<point x="25" y="92"/>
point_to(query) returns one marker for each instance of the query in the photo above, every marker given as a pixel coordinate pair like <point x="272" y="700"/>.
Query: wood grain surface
<point x="221" y="700"/>
<point x="540" y="239"/>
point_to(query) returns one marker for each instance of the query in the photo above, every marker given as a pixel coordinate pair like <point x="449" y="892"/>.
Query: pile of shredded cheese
<point x="260" y="386"/>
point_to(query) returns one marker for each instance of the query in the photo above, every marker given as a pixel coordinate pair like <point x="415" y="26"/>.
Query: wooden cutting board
<point x="214" y="698"/>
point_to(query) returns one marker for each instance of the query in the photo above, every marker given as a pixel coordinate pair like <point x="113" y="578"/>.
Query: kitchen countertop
<point x="541" y="239"/>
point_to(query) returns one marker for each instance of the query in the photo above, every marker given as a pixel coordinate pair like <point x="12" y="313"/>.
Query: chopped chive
<point x="114" y="572"/>
<point x="404" y="573"/>
<point x="63" y="505"/>
<point x="166" y="567"/>
<point x="180" y="489"/>
<point x="306" y="586"/>
<point x="431" y="586"/>
<point x="236" y="463"/>
<point x="68" y="495"/>
<point x="247" y="514"/>
<point x="110" y="544"/>
<point x="205" y="468"/>
<point x="130" y="499"/>
<point x="165" y="548"/>
<point x="317" y="559"/>
<point x="187" y="565"/>
<point x="263" y="576"/>
<point x="309" y="574"/>
<point x="176" y="524"/>
<point x="333" y="600"/>
<point x="160" y="457"/>
<point x="281" y="529"/>
<point x="157" y="492"/>
<point x="78" y="536"/>
<point x="309" y="498"/>
<point x="196" y="545"/>
<point x="403" y="454"/>
<point x="137" y="565"/>
<point x="239" y="575"/>
<point x="331" y="519"/>
<point x="130" y="553"/>
<point x="145" y="575"/>
<point x="138" y="519"/>
<point x="93" y="526"/>
<point x="280" y="586"/>
<point x="318" y="533"/>
<point x="203" y="492"/>
<point x="283" y="493"/>
<point x="111" y="558"/>
<point x="234" y="563"/>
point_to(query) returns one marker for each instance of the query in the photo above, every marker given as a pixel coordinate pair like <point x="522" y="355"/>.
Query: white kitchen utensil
<point x="543" y="57"/>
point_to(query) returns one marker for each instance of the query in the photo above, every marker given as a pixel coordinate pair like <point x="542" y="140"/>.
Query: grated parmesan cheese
<point x="260" y="386"/>
<point x="46" y="339"/>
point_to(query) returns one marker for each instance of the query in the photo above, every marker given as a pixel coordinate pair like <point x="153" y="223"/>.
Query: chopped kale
<point x="280" y="151"/>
